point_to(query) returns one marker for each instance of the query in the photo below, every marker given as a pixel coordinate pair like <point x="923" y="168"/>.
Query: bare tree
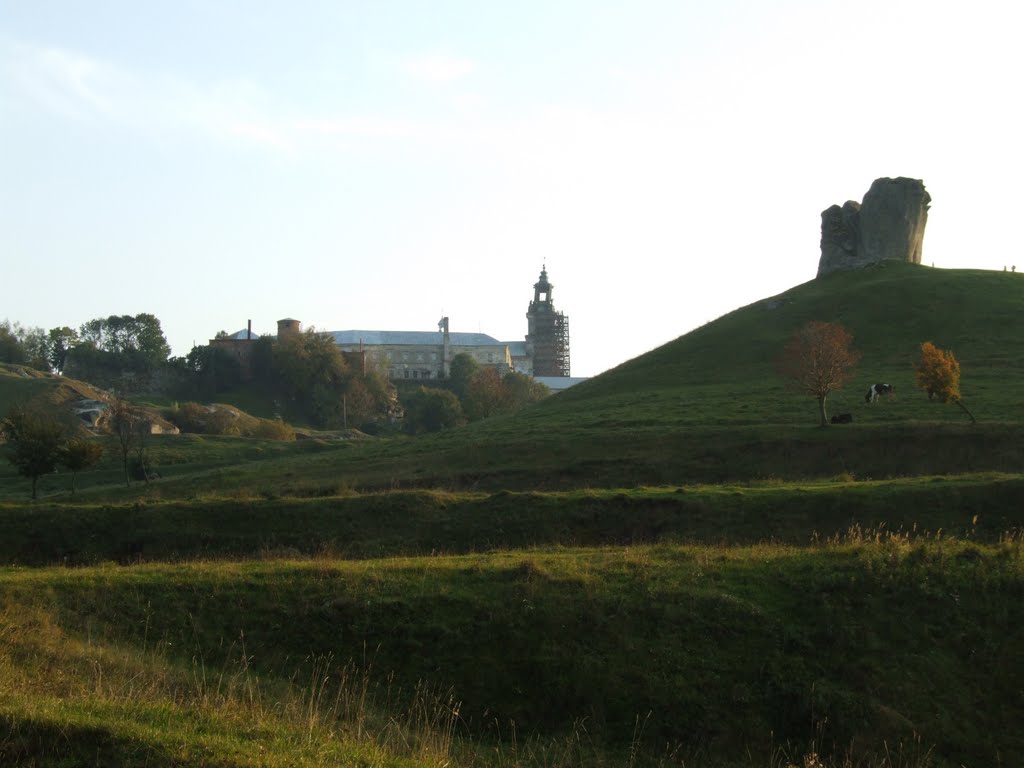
<point x="123" y="419"/>
<point x="80" y="453"/>
<point x="818" y="360"/>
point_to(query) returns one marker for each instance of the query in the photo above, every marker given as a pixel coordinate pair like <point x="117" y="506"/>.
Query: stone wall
<point x="887" y="226"/>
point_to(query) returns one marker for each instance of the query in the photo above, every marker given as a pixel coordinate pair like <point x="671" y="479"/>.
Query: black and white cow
<point x="878" y="390"/>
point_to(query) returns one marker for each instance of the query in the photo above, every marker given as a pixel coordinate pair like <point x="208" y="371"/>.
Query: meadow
<point x="669" y="564"/>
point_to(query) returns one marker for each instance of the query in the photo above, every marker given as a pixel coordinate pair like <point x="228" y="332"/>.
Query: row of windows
<point x="416" y="373"/>
<point x="407" y="356"/>
<point x="420" y="357"/>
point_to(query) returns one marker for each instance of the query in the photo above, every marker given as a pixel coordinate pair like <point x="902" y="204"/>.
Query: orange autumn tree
<point x="938" y="374"/>
<point x="818" y="360"/>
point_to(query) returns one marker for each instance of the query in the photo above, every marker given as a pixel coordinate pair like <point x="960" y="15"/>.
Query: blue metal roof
<point x="411" y="338"/>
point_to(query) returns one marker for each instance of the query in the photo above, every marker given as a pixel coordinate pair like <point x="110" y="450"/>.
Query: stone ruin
<point x="887" y="226"/>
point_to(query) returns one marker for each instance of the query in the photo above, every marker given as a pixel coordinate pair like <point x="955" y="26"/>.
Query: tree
<point x="818" y="360"/>
<point x="37" y="348"/>
<point x="136" y="337"/>
<point x="461" y="372"/>
<point x="432" y="410"/>
<point x="78" y="454"/>
<point x="143" y="431"/>
<point x="310" y="371"/>
<point x="35" y="437"/>
<point x="523" y="390"/>
<point x="211" y="369"/>
<point x="938" y="373"/>
<point x="486" y="396"/>
<point x="24" y="346"/>
<point x="61" y="341"/>
<point x="11" y="350"/>
<point x="109" y="346"/>
<point x="123" y="419"/>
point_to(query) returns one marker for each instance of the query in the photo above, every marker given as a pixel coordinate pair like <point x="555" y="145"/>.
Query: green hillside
<point x="707" y="407"/>
<point x="667" y="565"/>
<point x="723" y="372"/>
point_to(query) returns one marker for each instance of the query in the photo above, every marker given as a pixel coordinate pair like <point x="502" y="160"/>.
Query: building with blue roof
<point x="427" y="355"/>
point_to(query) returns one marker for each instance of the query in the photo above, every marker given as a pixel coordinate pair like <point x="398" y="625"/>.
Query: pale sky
<point x="376" y="164"/>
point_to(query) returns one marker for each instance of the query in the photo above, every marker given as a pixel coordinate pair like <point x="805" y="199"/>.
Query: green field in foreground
<point x="695" y="652"/>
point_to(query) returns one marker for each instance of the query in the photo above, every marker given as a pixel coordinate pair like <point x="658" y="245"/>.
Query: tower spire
<point x="547" y="336"/>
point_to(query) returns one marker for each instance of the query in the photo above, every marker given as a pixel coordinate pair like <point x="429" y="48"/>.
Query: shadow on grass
<point x="30" y="743"/>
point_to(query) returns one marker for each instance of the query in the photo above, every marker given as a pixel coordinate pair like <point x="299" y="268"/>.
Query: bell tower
<point x="547" y="331"/>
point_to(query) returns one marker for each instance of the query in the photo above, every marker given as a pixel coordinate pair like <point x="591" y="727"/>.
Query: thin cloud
<point x="438" y="68"/>
<point x="65" y="82"/>
<point x="75" y="86"/>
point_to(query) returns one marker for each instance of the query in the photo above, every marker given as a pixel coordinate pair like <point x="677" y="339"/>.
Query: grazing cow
<point x="842" y="418"/>
<point x="878" y="390"/>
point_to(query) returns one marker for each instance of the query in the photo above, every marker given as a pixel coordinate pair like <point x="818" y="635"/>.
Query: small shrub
<point x="273" y="429"/>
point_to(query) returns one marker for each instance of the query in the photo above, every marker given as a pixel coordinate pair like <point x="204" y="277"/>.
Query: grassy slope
<point x="724" y="371"/>
<point x="707" y="407"/>
<point x="981" y="507"/>
<point x="714" y="648"/>
<point x="722" y="646"/>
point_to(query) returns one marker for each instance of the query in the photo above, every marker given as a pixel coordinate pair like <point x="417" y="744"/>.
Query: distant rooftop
<point x="411" y="338"/>
<point x="242" y="334"/>
<point x="557" y="383"/>
<point x="516" y="348"/>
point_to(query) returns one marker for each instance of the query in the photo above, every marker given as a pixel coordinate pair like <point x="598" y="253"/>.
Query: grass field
<point x="669" y="564"/>
<point x="858" y="643"/>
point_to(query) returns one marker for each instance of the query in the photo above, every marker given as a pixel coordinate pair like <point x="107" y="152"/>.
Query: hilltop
<point x="723" y="372"/>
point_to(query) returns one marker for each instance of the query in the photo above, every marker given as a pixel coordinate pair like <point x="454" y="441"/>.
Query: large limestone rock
<point x="887" y="226"/>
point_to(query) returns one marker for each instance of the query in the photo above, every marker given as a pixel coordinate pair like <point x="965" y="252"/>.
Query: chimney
<point x="248" y="331"/>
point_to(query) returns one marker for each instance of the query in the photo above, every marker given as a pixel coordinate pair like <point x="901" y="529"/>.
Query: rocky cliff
<point x="887" y="226"/>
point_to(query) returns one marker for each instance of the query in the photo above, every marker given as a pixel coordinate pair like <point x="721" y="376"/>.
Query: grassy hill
<point x="723" y="373"/>
<point x="667" y="565"/>
<point x="708" y="407"/>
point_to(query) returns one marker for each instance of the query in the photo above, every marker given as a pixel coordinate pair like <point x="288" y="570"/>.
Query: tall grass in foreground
<point x="87" y="704"/>
<point x="73" y="702"/>
<point x="76" y="691"/>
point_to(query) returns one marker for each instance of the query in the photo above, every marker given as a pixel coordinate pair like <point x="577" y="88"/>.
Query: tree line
<point x="304" y="378"/>
<point x="102" y="346"/>
<point x="472" y="392"/>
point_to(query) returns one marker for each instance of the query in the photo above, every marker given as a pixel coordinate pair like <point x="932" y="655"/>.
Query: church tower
<point x="547" y="335"/>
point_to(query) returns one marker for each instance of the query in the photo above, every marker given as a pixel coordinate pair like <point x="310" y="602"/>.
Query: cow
<point x="878" y="390"/>
<point x="842" y="418"/>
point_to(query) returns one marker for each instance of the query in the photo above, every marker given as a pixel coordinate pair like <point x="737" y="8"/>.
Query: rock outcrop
<point x="887" y="226"/>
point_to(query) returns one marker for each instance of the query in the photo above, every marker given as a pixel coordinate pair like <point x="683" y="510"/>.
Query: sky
<point x="376" y="165"/>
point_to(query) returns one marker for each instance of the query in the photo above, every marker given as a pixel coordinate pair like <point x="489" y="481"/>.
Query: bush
<point x="227" y="421"/>
<point x="273" y="429"/>
<point x="208" y="419"/>
<point x="432" y="410"/>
